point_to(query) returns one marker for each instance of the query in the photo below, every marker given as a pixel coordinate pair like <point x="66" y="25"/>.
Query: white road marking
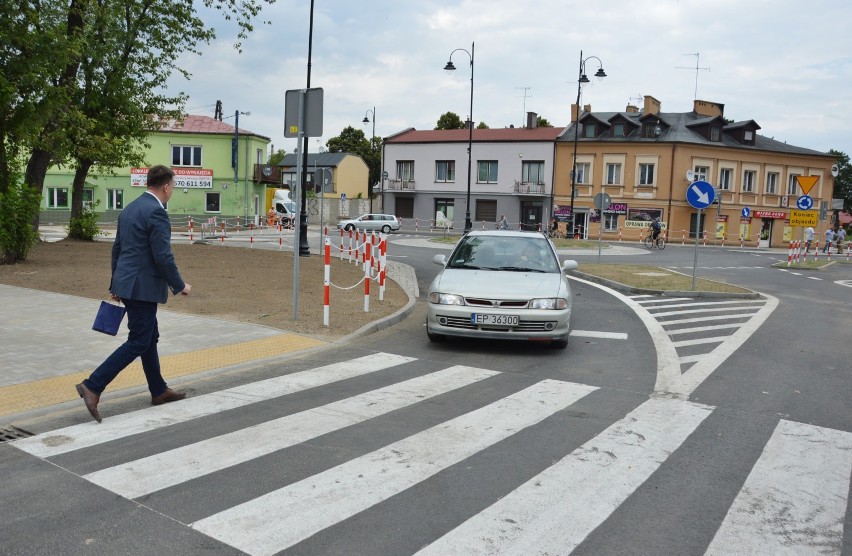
<point x="847" y="283"/>
<point x="91" y="433"/>
<point x="664" y="300"/>
<point x="814" y="278"/>
<point x="555" y="510"/>
<point x="677" y="331"/>
<point x="700" y="341"/>
<point x="692" y="358"/>
<point x="794" y="500"/>
<point x="282" y="518"/>
<point x="599" y="334"/>
<point x="145" y="476"/>
<point x="686" y="312"/>
<point x="705" y="319"/>
<point x="712" y="303"/>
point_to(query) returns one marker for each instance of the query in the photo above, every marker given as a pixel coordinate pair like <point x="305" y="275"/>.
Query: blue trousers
<point x="141" y="342"/>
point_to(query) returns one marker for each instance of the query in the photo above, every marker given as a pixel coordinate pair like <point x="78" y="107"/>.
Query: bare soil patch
<point x="233" y="283"/>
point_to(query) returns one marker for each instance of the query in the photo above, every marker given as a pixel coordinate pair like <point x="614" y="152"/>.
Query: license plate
<point x="498" y="320"/>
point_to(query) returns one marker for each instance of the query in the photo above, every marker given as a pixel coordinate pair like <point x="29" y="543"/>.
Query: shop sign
<point x="616" y="208"/>
<point x="769" y="214"/>
<point x="185" y="178"/>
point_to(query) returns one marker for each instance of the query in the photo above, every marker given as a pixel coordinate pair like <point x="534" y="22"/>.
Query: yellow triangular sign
<point x="807" y="182"/>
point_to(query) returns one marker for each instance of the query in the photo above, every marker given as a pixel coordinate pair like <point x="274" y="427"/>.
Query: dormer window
<point x="618" y="130"/>
<point x="589" y="131"/>
<point x="748" y="137"/>
<point x="649" y="130"/>
<point x="715" y="133"/>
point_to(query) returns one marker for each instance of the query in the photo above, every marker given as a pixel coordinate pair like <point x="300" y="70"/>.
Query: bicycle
<point x="650" y="243"/>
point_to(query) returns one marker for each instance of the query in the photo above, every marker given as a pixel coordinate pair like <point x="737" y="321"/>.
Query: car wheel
<point x="385" y="229"/>
<point x="349" y="227"/>
<point x="559" y="344"/>
<point x="437" y="338"/>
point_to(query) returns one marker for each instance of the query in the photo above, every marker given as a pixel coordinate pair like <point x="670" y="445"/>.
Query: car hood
<point x="497" y="284"/>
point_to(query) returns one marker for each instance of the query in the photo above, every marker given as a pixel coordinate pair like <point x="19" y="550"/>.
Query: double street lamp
<point x="367" y="120"/>
<point x="581" y="79"/>
<point x="450" y="68"/>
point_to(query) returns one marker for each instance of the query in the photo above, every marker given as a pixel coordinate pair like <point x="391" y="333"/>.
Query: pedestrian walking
<point x="809" y="238"/>
<point x="829" y="237"/>
<point x="840" y="239"/>
<point x="143" y="271"/>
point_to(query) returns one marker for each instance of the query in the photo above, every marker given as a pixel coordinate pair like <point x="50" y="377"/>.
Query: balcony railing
<point x="529" y="188"/>
<point x="399" y="185"/>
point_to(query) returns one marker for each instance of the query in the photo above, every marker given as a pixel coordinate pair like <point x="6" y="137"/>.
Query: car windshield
<point x="520" y="254"/>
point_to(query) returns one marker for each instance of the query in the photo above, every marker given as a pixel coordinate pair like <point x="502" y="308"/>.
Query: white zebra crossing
<point x="794" y="500"/>
<point x="282" y="518"/>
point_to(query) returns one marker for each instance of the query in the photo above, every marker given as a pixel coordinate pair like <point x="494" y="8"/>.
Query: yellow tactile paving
<point x="50" y="391"/>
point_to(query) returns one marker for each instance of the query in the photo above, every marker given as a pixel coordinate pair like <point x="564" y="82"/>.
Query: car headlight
<point x="551" y="303"/>
<point x="445" y="298"/>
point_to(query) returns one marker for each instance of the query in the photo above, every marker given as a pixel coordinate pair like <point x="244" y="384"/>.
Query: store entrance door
<point x="531" y="214"/>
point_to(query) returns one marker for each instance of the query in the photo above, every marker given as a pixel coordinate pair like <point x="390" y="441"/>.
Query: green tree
<point x="843" y="181"/>
<point x="482" y="125"/>
<point x="449" y="120"/>
<point x="542" y="122"/>
<point x="354" y="141"/>
<point x="276" y="157"/>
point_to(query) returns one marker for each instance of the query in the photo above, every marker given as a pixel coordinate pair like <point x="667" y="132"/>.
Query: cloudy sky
<point x="787" y="64"/>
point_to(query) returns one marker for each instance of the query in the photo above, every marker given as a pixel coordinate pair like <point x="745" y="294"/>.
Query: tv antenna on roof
<point x="696" y="68"/>
<point x="525" y="103"/>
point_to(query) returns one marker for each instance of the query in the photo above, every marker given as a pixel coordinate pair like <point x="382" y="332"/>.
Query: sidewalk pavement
<point x="47" y="345"/>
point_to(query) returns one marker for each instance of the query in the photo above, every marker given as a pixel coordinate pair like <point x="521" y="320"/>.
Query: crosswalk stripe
<point x="794" y="500"/>
<point x="700" y="341"/>
<point x="703" y="319"/>
<point x="554" y="511"/>
<point x="663" y="300"/>
<point x="281" y="518"/>
<point x="146" y="475"/>
<point x="746" y="302"/>
<point x="677" y="331"/>
<point x="599" y="334"/>
<point x="719" y="310"/>
<point x="90" y="433"/>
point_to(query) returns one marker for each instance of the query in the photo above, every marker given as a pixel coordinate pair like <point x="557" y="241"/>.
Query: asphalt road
<point x="690" y="428"/>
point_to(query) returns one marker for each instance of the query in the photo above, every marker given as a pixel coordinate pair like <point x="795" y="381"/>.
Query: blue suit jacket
<point x="143" y="266"/>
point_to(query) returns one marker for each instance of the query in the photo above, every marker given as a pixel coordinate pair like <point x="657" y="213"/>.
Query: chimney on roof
<point x="652" y="105"/>
<point x="532" y="120"/>
<point x="586" y="108"/>
<point x="632" y="109"/>
<point x="707" y="108"/>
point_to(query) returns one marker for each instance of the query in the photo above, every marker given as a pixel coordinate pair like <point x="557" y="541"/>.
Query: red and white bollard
<point x="326" y="285"/>
<point x="383" y="261"/>
<point x="190" y="228"/>
<point x="223" y="233"/>
<point x="790" y="255"/>
<point x="619" y="233"/>
<point x="341" y="244"/>
<point x="368" y="253"/>
<point x="683" y="237"/>
<point x="848" y="249"/>
<point x="704" y="241"/>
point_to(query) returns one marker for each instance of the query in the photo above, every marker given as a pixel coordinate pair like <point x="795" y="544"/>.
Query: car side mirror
<point x="440" y="259"/>
<point x="569" y="264"/>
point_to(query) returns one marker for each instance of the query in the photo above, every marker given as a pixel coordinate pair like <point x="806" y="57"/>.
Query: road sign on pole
<point x="807" y="182"/>
<point x="700" y="194"/>
<point x="602" y="201"/>
<point x="803" y="217"/>
<point x="746" y="212"/>
<point x="805" y="202"/>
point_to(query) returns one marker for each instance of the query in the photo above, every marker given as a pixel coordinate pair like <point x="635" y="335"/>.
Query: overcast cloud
<point x="787" y="64"/>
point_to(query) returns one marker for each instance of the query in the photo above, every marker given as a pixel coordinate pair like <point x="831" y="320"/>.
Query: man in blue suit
<point x="143" y="271"/>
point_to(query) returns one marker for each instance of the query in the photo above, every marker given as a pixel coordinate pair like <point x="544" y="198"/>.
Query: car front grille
<point x="477" y="302"/>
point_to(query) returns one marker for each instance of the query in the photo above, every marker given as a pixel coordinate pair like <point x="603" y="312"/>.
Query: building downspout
<point x="671" y="192"/>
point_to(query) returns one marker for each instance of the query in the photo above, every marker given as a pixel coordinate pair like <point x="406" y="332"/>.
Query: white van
<point x="285" y="208"/>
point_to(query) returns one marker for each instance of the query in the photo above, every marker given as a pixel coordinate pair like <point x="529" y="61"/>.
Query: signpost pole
<point x="697" y="235"/>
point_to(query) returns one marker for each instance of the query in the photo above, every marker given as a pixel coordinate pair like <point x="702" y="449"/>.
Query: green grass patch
<point x="655" y="278"/>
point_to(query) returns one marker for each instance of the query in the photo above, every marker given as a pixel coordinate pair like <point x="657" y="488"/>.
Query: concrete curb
<point x="666" y="293"/>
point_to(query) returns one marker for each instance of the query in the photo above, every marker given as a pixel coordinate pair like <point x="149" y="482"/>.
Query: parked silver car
<point x="377" y="222"/>
<point x="501" y="285"/>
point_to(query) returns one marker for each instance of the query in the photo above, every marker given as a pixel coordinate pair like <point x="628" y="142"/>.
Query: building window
<point x="748" y="181"/>
<point x="486" y="210"/>
<point x="748" y="137"/>
<point x="772" y="183"/>
<point x="725" y="179"/>
<point x="211" y="202"/>
<point x="700" y="173"/>
<point x="88" y="198"/>
<point x="445" y="207"/>
<point x="716" y="133"/>
<point x="618" y="130"/>
<point x="649" y="131"/>
<point x="487" y="171"/>
<point x="186" y="155"/>
<point x="405" y="170"/>
<point x="532" y="171"/>
<point x="445" y="170"/>
<point x="115" y="199"/>
<point x="610" y="222"/>
<point x="646" y="174"/>
<point x="792" y="184"/>
<point x="583" y="173"/>
<point x="57" y="197"/>
<point x="589" y="131"/>
<point x="613" y="173"/>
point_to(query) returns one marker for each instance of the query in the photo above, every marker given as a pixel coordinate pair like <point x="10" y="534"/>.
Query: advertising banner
<point x="185" y="178"/>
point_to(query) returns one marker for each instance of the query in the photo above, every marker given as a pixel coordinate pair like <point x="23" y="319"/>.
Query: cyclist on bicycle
<point x="655" y="228"/>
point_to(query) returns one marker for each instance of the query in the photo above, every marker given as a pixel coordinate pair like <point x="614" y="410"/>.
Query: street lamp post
<point x="449" y="68"/>
<point x="581" y="78"/>
<point x="366" y="120"/>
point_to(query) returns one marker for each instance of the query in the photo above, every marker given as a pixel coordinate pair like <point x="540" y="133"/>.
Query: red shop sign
<point x="769" y="214"/>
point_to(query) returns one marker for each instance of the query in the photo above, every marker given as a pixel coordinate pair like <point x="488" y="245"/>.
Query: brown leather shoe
<point x="90" y="399"/>
<point x="168" y="396"/>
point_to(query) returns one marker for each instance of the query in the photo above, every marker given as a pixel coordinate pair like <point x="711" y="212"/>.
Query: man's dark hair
<point x="159" y="175"/>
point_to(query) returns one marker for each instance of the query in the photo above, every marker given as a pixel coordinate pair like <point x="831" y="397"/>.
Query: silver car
<point x="501" y="285"/>
<point x="377" y="222"/>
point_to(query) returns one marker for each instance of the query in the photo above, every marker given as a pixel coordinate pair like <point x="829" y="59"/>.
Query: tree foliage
<point x="482" y="125"/>
<point x="18" y="204"/>
<point x="276" y="157"/>
<point x="542" y="122"/>
<point x="449" y="120"/>
<point x="354" y="141"/>
<point x="843" y="181"/>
